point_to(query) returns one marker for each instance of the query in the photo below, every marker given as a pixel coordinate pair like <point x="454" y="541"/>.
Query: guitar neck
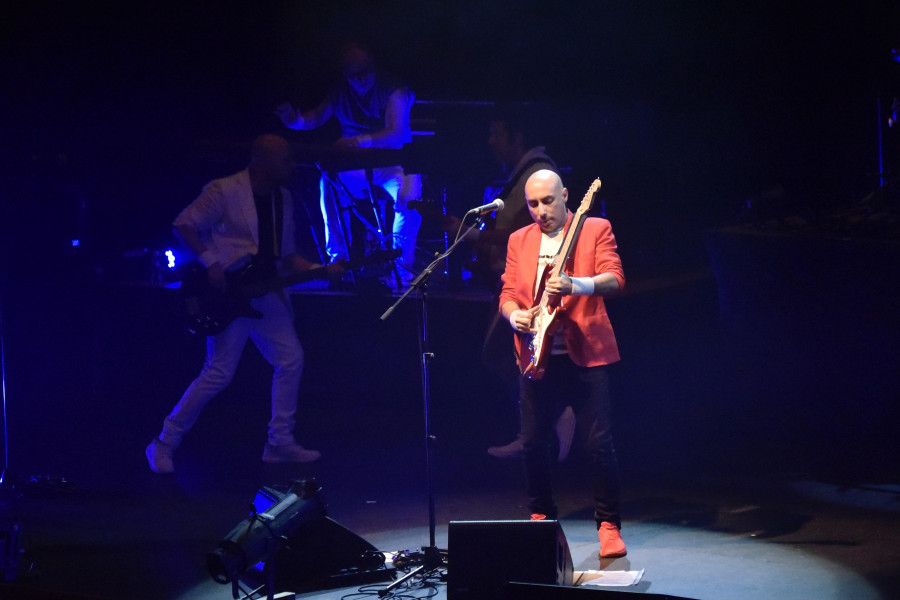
<point x="296" y="277"/>
<point x="568" y="244"/>
<point x="571" y="236"/>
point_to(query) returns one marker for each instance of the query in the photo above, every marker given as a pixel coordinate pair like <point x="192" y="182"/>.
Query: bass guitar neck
<point x="209" y="311"/>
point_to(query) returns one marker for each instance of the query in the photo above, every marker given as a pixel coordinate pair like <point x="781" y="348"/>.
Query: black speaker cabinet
<point x="483" y="556"/>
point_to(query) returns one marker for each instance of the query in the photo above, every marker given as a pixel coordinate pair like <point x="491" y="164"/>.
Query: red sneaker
<point x="611" y="544"/>
<point x="538" y="517"/>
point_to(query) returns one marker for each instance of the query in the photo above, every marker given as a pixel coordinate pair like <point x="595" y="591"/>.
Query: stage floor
<point x="723" y="498"/>
<point x="716" y="539"/>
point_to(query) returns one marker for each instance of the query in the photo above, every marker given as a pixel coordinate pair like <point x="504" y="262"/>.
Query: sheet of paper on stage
<point x="610" y="578"/>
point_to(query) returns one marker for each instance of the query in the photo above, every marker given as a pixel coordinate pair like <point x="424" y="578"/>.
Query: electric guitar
<point x="208" y="311"/>
<point x="535" y="347"/>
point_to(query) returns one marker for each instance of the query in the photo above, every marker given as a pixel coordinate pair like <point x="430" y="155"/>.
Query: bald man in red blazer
<point x="591" y="342"/>
<point x="582" y="349"/>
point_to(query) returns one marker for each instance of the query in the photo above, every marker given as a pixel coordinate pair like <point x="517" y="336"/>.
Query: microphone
<point x="482" y="210"/>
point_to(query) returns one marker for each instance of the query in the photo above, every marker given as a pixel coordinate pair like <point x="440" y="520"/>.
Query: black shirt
<point x="269" y="212"/>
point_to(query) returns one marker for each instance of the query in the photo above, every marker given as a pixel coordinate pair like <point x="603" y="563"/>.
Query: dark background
<point x="116" y="114"/>
<point x="766" y="351"/>
<point x="684" y="109"/>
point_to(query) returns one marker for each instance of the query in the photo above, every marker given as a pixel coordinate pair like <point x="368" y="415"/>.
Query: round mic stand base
<point x="431" y="557"/>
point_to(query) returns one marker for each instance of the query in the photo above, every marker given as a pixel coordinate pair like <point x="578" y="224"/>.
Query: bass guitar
<point x="536" y="346"/>
<point x="209" y="311"/>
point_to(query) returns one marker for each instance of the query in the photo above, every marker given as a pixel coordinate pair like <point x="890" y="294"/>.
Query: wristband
<point x="208" y="258"/>
<point x="582" y="286"/>
<point x="512" y="318"/>
<point x="364" y="141"/>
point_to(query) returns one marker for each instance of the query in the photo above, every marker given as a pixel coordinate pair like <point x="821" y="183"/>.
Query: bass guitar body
<point x="208" y="311"/>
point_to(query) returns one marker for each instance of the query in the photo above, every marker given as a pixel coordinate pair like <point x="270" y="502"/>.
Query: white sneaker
<point x="159" y="456"/>
<point x="514" y="449"/>
<point x="289" y="453"/>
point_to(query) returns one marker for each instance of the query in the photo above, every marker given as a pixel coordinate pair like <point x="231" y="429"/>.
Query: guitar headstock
<point x="588" y="200"/>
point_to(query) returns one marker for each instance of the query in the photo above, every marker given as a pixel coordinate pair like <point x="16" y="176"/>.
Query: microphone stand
<point x="3" y="398"/>
<point x="432" y="555"/>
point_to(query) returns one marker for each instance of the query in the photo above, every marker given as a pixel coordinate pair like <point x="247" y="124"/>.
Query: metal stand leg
<point x="334" y="187"/>
<point x="320" y="248"/>
<point x="3" y="393"/>
<point x="377" y="229"/>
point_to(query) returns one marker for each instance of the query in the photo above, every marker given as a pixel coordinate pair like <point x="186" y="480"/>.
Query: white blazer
<point x="225" y="217"/>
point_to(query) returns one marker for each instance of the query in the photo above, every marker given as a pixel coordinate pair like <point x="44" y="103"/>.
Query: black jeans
<point x="586" y="390"/>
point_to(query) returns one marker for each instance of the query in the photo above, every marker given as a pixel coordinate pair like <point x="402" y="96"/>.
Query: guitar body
<point x="534" y="352"/>
<point x="536" y="346"/>
<point x="209" y="311"/>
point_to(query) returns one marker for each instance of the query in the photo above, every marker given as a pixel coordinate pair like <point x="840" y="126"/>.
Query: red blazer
<point x="588" y="332"/>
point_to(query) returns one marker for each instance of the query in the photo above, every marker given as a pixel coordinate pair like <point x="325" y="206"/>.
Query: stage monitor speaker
<point x="483" y="556"/>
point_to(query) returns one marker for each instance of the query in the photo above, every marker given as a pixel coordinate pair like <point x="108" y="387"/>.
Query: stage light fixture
<point x="257" y="538"/>
<point x="289" y="544"/>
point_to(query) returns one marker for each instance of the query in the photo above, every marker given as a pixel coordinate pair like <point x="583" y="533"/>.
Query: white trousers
<point x="276" y="338"/>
